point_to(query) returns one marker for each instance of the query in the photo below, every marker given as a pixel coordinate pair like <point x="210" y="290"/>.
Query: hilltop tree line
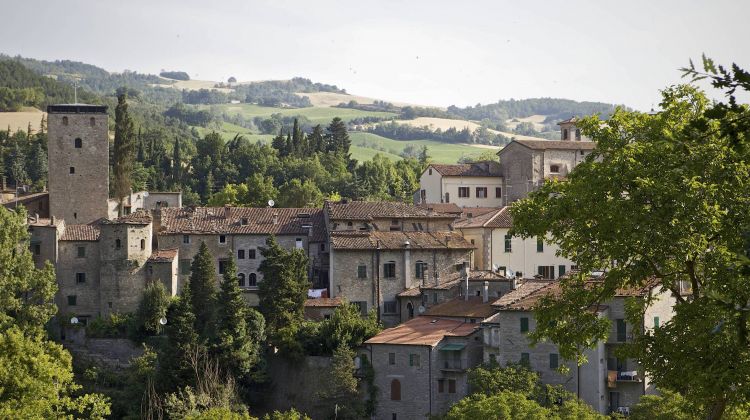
<point x="23" y="157"/>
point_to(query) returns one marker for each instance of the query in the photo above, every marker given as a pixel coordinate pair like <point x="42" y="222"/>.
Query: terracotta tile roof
<point x="486" y="275"/>
<point x="89" y="232"/>
<point x="243" y="220"/>
<point x="557" y="144"/>
<point x="494" y="218"/>
<point x="324" y="302"/>
<point x="458" y="307"/>
<point x="423" y="331"/>
<point x="396" y="240"/>
<point x="140" y="217"/>
<point x="523" y="290"/>
<point x="486" y="168"/>
<point x="163" y="255"/>
<point x="368" y="210"/>
<point x="453" y="280"/>
<point x="571" y="120"/>
<point x="413" y="292"/>
<point x="502" y="219"/>
<point x="448" y="208"/>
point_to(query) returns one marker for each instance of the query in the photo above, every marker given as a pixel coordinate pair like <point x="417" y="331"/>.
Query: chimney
<point x="227" y="211"/>
<point x="465" y="275"/>
<point x="36" y="217"/>
<point x="275" y="218"/>
<point x="514" y="283"/>
<point x="486" y="292"/>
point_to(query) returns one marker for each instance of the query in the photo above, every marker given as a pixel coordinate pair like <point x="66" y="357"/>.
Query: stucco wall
<point x="524" y="256"/>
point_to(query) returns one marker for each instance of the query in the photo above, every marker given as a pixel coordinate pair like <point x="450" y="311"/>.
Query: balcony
<point x="624" y="376"/>
<point x="447" y="365"/>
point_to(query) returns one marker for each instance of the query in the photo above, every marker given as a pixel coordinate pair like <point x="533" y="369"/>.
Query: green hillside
<point x="318" y="115"/>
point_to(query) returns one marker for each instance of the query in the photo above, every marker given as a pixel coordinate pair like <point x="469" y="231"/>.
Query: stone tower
<point x="78" y="149"/>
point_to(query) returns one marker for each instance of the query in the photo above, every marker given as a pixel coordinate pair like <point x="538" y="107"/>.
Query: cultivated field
<point x="192" y="85"/>
<point x="332" y="99"/>
<point x="537" y="120"/>
<point x="20" y="120"/>
<point x="439" y="151"/>
<point x="318" y="115"/>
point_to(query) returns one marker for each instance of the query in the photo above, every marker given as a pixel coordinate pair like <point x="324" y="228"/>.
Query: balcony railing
<point x="453" y="365"/>
<point x="614" y="376"/>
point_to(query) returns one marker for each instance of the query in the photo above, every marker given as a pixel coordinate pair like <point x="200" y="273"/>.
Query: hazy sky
<point x="428" y="52"/>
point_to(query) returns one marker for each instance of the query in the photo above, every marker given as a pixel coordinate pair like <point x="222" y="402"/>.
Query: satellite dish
<point x="145" y="193"/>
<point x="421" y="309"/>
<point x="163" y="321"/>
<point x="74" y="320"/>
<point x="271" y="203"/>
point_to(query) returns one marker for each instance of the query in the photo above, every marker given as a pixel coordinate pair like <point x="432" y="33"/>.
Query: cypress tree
<point x="176" y="163"/>
<point x="124" y="148"/>
<point x="174" y="367"/>
<point x="279" y="143"/>
<point x="203" y="290"/>
<point x="235" y="348"/>
<point x="338" y="137"/>
<point x="316" y="141"/>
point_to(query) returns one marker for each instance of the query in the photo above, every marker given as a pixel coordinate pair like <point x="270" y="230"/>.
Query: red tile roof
<point x="495" y="218"/>
<point x="163" y="255"/>
<point x="324" y="302"/>
<point x="486" y="168"/>
<point x="556" y="144"/>
<point x="458" y="307"/>
<point x="424" y="331"/>
<point x="243" y="220"/>
<point x="526" y="288"/>
<point x="369" y="210"/>
<point x="140" y="217"/>
<point x="448" y="208"/>
<point x="396" y="240"/>
<point x="486" y="275"/>
<point x="88" y="232"/>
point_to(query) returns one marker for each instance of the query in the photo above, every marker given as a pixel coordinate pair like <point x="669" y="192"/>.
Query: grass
<point x="318" y="115"/>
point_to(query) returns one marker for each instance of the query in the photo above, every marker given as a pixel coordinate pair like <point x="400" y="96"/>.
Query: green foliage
<point x="662" y="196"/>
<point x="490" y="379"/>
<point x="182" y="342"/>
<point x="282" y="293"/>
<point x="341" y="396"/>
<point x="300" y="194"/>
<point x="291" y="414"/>
<point x="124" y="150"/>
<point x="219" y="413"/>
<point x="347" y="328"/>
<point x="505" y="405"/>
<point x="203" y="291"/>
<point x="113" y="325"/>
<point x="177" y="75"/>
<point x="153" y="307"/>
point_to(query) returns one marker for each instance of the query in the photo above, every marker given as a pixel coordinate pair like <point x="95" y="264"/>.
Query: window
<point x="391" y="358"/>
<point x="185" y="239"/>
<point x="395" y="225"/>
<point x="524" y="324"/>
<point x="463" y="192"/>
<point x="184" y="267"/>
<point x="92" y="121"/>
<point x="434" y="298"/>
<point x="394" y="416"/>
<point x="251" y="254"/>
<point x="361" y="271"/>
<point x="553" y="361"/>
<point x="240" y="254"/>
<point x="350" y="225"/>
<point x="298" y="243"/>
<point x="81" y="252"/>
<point x="72" y="169"/>
<point x="252" y="280"/>
<point x="222" y="239"/>
<point x="78" y="143"/>
<point x="389" y="270"/>
<point x="525" y="359"/>
<point x="493" y="357"/>
<point x="565" y="134"/>
<point x="430" y="171"/>
<point x="222" y="266"/>
<point x="244" y="221"/>
<point x="65" y="120"/>
<point x="451" y="386"/>
<point x="498" y="192"/>
<point x="656" y="322"/>
<point x="420" y="269"/>
<point x="80" y="278"/>
<point x="539" y="244"/>
<point x="441" y="385"/>
<point x="72" y="300"/>
<point x="37" y="248"/>
<point x="413" y="360"/>
<point x="118" y="244"/>
<point x="481" y="192"/>
<point x="621" y="330"/>
<point x="447" y="198"/>
<point x="395" y="390"/>
<point x="75" y="215"/>
<point x="241" y="279"/>
<point x="502" y="270"/>
<point x="554" y="169"/>
<point x="582" y="153"/>
<point x="560" y="270"/>
<point x="143" y="244"/>
<point x="546" y="271"/>
<point x="508" y="243"/>
<point x="578" y="133"/>
<point x="322" y="247"/>
<point x="390" y="307"/>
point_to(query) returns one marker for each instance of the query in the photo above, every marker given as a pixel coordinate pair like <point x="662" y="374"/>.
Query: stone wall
<point x="87" y="299"/>
<point x="79" y="197"/>
<point x="296" y="385"/>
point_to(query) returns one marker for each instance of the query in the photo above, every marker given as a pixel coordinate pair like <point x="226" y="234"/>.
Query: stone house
<point x="511" y="256"/>
<point x="606" y="383"/>
<point x="240" y="233"/>
<point x="420" y="366"/>
<point x="322" y="308"/>
<point x="380" y="249"/>
<point x="468" y="185"/>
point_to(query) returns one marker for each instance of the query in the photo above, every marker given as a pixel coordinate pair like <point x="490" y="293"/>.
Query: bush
<point x="113" y="326"/>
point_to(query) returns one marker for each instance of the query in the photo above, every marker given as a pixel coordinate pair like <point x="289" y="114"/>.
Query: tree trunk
<point x="717" y="410"/>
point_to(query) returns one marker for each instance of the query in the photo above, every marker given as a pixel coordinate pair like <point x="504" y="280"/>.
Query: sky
<point x="424" y="52"/>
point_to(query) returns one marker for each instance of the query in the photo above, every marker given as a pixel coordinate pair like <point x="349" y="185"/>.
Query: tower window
<point x="565" y="134"/>
<point x="72" y="169"/>
<point x="72" y="300"/>
<point x="65" y="120"/>
<point x="143" y="244"/>
<point x="118" y="244"/>
<point x="80" y="278"/>
<point x="92" y="121"/>
<point x="578" y="134"/>
<point x="241" y="279"/>
<point x="252" y="280"/>
<point x="78" y="143"/>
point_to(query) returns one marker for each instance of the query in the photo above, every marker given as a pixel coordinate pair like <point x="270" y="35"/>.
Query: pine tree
<point x="39" y="165"/>
<point x="124" y="148"/>
<point x="176" y="163"/>
<point x="338" y="137"/>
<point x="203" y="290"/>
<point x="18" y="166"/>
<point x="234" y="347"/>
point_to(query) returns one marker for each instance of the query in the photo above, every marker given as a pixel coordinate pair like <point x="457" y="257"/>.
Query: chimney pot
<point x="227" y="211"/>
<point x="486" y="292"/>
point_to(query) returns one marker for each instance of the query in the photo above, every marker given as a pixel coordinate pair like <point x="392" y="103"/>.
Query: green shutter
<point x="524" y="325"/>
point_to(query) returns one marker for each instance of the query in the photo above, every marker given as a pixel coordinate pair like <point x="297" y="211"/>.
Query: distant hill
<point x="23" y="87"/>
<point x="555" y="109"/>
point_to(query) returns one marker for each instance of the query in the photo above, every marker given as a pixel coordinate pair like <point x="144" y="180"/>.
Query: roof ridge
<point x="497" y="213"/>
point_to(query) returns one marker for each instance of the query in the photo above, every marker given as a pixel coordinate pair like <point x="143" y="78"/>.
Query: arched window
<point x="253" y="280"/>
<point x="118" y="244"/>
<point x="143" y="244"/>
<point x="565" y="134"/>
<point x="241" y="279"/>
<point x="65" y="120"/>
<point x="410" y="310"/>
<point x="78" y="143"/>
<point x="92" y="121"/>
<point x="578" y="133"/>
<point x="395" y="390"/>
